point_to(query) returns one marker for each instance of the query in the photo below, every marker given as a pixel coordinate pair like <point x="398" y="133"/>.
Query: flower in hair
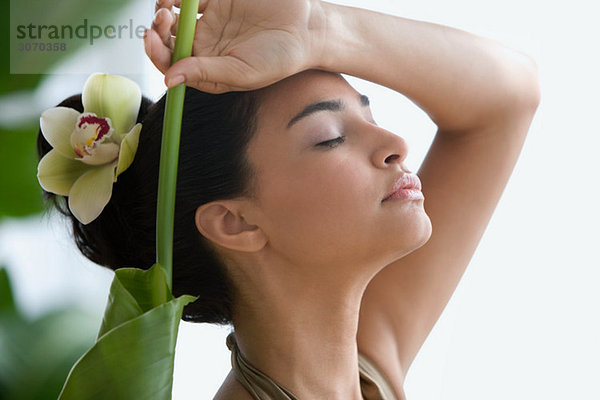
<point x="91" y="149"/>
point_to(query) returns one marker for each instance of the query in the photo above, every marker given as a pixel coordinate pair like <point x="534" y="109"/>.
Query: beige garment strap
<point x="373" y="384"/>
<point x="259" y="385"/>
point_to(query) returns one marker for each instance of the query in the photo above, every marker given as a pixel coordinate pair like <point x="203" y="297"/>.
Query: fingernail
<point x="176" y="80"/>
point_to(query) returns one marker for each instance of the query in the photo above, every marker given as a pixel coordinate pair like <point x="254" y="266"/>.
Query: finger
<point x="159" y="54"/>
<point x="174" y="16"/>
<point x="201" y="4"/>
<point x="163" y="4"/>
<point x="212" y="73"/>
<point x="168" y="5"/>
<point x="214" y="88"/>
<point x="177" y="3"/>
<point x="175" y="24"/>
<point x="162" y="25"/>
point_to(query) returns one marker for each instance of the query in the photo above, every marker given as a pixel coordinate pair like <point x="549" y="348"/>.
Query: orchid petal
<point x="91" y="192"/>
<point x="103" y="153"/>
<point x="128" y="149"/>
<point x="57" y="173"/>
<point x="115" y="97"/>
<point x="57" y="124"/>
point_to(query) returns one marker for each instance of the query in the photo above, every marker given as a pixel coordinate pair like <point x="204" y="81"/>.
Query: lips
<point x="406" y="181"/>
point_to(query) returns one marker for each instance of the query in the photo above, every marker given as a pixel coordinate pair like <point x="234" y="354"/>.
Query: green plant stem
<point x="169" y="154"/>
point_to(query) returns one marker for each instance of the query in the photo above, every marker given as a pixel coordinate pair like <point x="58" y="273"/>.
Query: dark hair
<point x="215" y="133"/>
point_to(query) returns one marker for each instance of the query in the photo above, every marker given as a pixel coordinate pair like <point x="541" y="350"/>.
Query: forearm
<point x="459" y="79"/>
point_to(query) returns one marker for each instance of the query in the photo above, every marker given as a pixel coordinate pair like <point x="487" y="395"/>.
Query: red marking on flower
<point x="103" y="127"/>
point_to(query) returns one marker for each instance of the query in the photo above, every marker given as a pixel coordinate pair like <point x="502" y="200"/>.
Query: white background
<point x="524" y="321"/>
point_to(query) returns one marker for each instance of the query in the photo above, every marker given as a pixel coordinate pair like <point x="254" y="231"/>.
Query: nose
<point x="389" y="149"/>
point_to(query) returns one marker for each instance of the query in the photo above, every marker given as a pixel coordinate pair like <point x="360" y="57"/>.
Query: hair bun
<point x="88" y="238"/>
<point x="215" y="133"/>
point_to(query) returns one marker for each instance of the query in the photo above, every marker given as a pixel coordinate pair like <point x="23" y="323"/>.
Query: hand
<point x="239" y="44"/>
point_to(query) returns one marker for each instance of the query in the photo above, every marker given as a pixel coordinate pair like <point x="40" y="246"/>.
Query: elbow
<point x="523" y="85"/>
<point x="517" y="93"/>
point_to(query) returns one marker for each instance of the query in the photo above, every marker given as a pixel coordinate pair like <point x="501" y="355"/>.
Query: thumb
<point x="212" y="74"/>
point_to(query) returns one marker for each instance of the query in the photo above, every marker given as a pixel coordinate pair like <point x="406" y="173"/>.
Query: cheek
<point x="319" y="207"/>
<point x="324" y="190"/>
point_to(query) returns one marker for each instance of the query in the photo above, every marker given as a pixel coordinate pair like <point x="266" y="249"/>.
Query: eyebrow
<point x="328" y="105"/>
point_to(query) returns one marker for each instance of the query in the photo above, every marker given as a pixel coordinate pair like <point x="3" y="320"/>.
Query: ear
<point x="222" y="223"/>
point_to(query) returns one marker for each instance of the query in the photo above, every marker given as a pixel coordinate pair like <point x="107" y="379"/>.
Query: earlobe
<point x="222" y="223"/>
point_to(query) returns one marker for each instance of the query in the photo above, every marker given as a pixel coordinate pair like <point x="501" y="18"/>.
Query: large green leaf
<point x="22" y="194"/>
<point x="134" y="354"/>
<point x="7" y="302"/>
<point x="12" y="82"/>
<point x="134" y="292"/>
<point x="37" y="354"/>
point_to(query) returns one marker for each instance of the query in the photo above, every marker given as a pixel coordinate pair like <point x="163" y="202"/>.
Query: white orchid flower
<point x="90" y="149"/>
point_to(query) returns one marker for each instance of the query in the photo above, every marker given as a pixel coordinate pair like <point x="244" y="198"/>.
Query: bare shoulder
<point x="231" y="389"/>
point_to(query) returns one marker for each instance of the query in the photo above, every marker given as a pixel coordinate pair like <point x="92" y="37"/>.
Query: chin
<point x="414" y="235"/>
<point x="424" y="233"/>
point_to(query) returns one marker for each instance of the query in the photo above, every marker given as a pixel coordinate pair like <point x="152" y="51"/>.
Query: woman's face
<point x="323" y="168"/>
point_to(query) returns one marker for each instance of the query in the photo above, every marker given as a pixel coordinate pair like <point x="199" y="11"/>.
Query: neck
<point x="301" y="332"/>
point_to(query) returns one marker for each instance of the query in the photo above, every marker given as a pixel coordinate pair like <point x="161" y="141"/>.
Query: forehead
<point x="283" y="100"/>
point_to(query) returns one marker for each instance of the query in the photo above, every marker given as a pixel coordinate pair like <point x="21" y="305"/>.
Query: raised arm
<point x="459" y="79"/>
<point x="482" y="96"/>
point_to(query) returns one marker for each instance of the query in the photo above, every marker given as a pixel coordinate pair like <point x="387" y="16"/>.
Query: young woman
<point x="297" y="220"/>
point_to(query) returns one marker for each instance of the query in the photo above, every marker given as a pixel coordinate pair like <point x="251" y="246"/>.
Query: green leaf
<point x="134" y="354"/>
<point x="21" y="192"/>
<point x="7" y="302"/>
<point x="133" y="292"/>
<point x="37" y="354"/>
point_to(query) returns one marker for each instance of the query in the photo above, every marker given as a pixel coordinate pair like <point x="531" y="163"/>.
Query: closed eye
<point x="333" y="142"/>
